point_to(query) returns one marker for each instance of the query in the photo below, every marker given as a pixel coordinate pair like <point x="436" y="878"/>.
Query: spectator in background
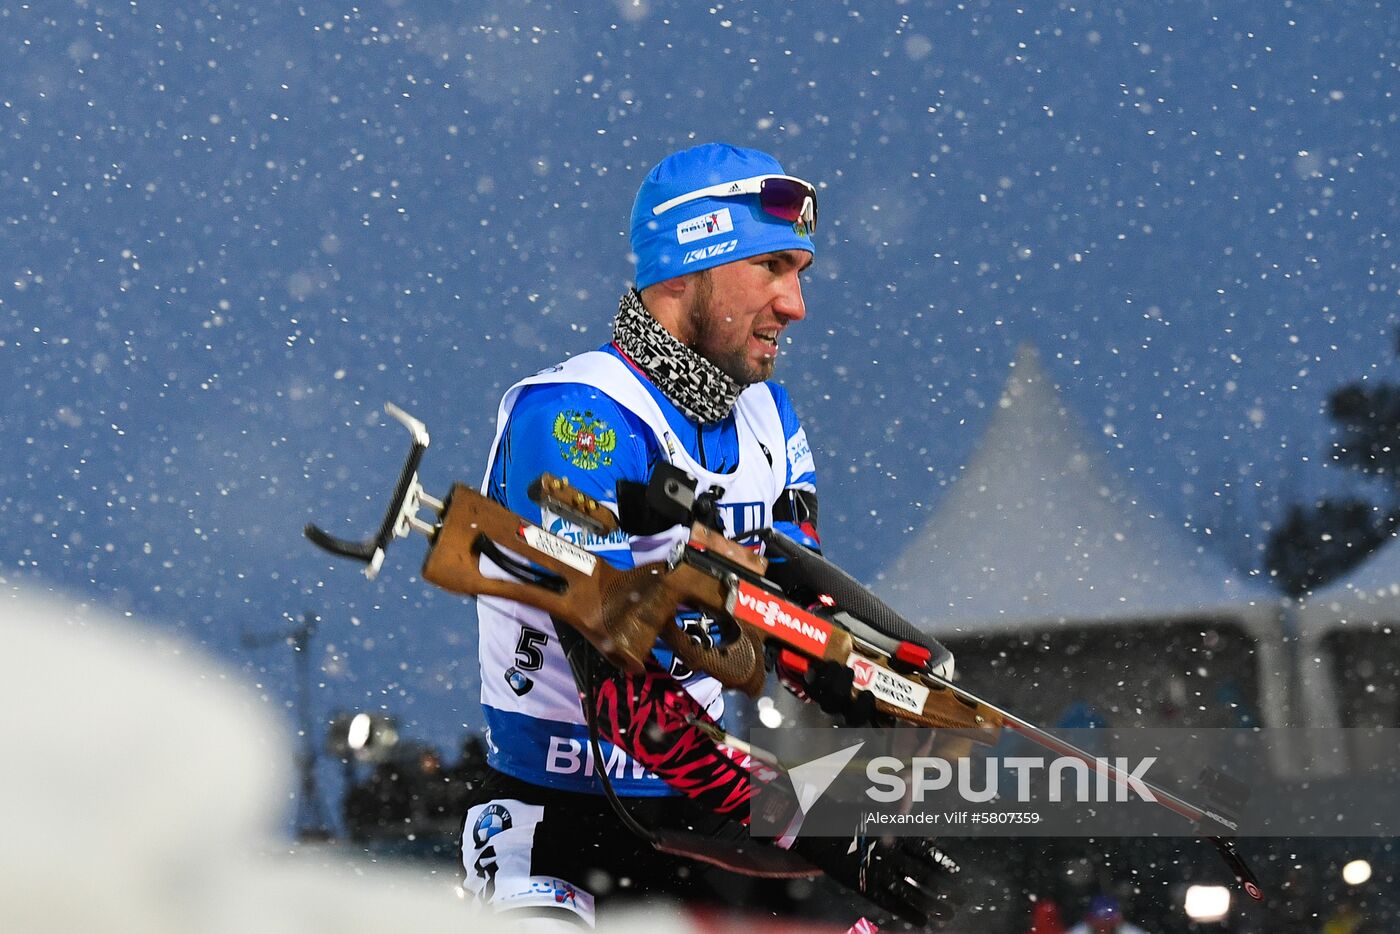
<point x="1045" y="918"/>
<point x="1346" y="920"/>
<point x="1104" y="917"/>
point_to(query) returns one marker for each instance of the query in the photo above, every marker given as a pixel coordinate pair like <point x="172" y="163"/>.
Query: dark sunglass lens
<point x="786" y="198"/>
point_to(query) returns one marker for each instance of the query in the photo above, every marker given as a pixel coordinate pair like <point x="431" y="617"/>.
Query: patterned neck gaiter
<point x="700" y="389"/>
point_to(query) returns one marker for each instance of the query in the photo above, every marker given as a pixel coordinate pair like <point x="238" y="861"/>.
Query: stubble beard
<point x="706" y="340"/>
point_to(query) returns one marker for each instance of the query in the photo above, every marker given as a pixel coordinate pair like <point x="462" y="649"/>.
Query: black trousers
<point x="536" y="850"/>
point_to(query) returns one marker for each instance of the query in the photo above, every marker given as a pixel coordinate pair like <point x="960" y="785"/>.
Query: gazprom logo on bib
<point x="705" y="252"/>
<point x="583" y="538"/>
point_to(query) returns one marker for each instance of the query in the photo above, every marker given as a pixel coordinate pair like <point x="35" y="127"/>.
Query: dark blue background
<point x="231" y="231"/>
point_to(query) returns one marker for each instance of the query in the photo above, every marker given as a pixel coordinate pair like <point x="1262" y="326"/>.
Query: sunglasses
<point x="783" y="196"/>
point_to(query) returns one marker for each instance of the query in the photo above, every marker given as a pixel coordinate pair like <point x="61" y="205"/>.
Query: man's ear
<point x="677" y="286"/>
<point x="660" y="298"/>
<point x="666" y="301"/>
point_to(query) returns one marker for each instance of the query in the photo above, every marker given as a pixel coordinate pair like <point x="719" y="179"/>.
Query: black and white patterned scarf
<point x="700" y="389"/>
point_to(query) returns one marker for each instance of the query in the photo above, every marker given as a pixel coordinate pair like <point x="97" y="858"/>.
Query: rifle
<point x="623" y="613"/>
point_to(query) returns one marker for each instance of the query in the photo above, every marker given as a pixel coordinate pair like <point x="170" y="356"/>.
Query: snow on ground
<point x="143" y="791"/>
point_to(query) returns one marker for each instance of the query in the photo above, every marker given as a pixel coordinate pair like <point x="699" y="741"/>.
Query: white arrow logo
<point x="811" y="779"/>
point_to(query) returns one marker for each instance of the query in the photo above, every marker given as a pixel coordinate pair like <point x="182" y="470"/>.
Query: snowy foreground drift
<point x="144" y="790"/>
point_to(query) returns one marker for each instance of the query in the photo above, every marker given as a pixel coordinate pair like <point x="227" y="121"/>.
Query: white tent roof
<point x="1370" y="590"/>
<point x="1366" y="600"/>
<point x="1039" y="531"/>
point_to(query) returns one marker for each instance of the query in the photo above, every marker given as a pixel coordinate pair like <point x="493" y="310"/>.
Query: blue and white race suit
<point x="594" y="420"/>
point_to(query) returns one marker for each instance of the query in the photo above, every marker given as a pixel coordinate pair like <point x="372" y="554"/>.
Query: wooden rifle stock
<point x="623" y="613"/>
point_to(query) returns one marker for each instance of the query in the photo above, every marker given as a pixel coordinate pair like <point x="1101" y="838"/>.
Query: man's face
<point x="737" y="312"/>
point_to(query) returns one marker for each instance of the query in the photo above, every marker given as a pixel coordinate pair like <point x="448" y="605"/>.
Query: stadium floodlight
<point x="357" y="734"/>
<point x="1356" y="872"/>
<point x="365" y="737"/>
<point x="1207" y="904"/>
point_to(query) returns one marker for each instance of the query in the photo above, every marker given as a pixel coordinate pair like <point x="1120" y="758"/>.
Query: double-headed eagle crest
<point x="584" y="440"/>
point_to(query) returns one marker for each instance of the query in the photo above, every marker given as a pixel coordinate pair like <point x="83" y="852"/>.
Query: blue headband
<point x="705" y="232"/>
